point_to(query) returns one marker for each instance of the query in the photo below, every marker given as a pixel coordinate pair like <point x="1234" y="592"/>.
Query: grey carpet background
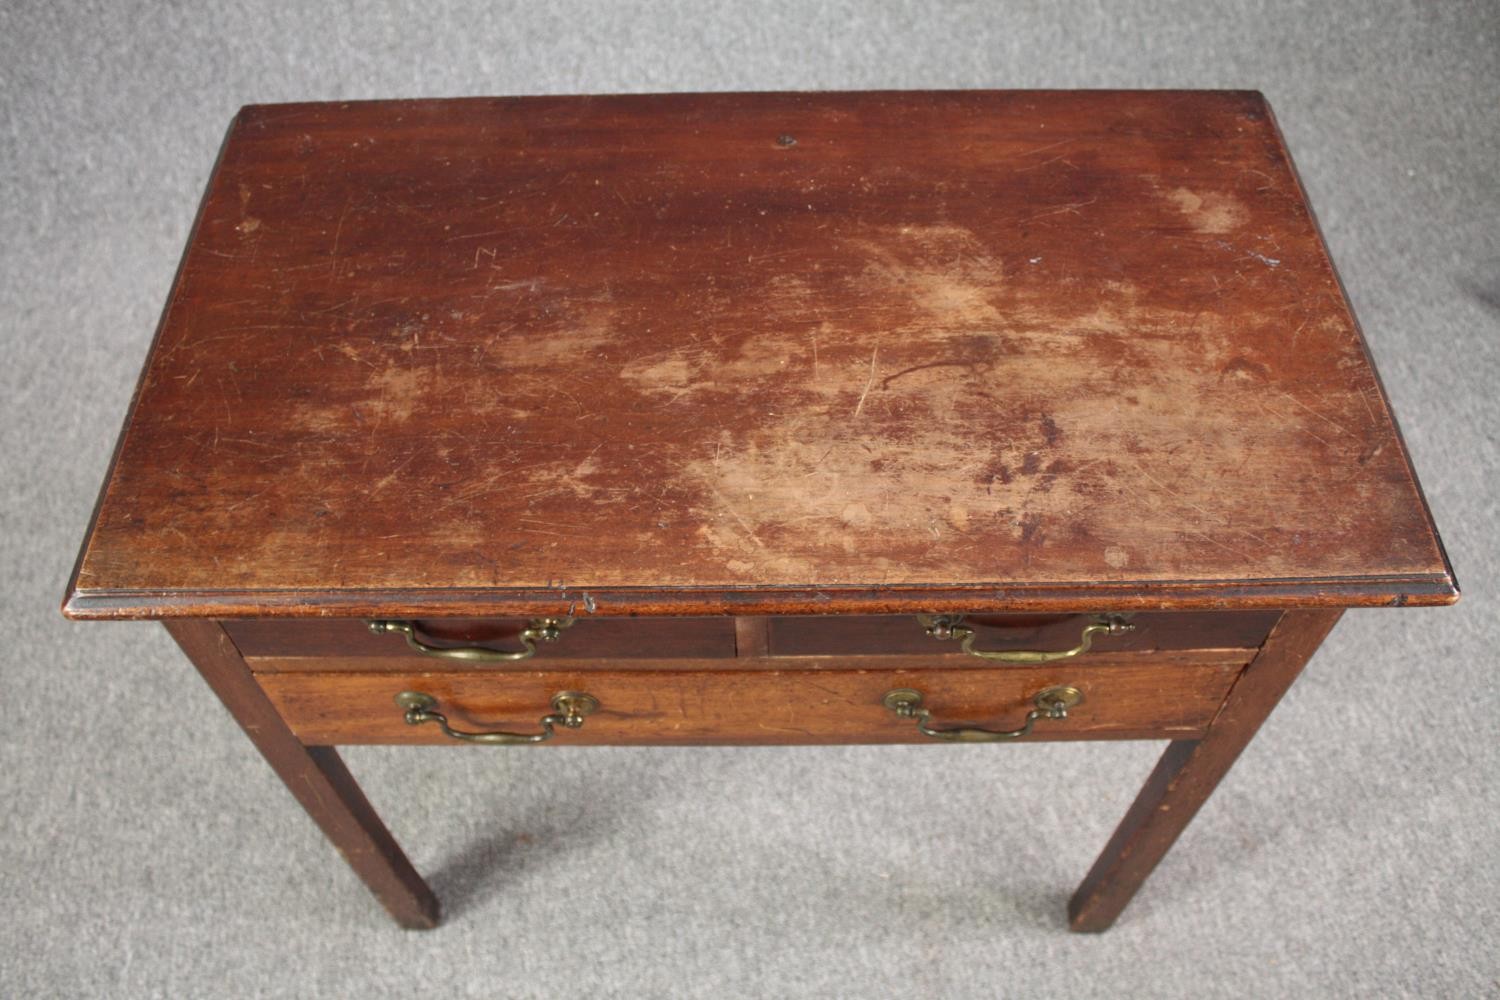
<point x="145" y="850"/>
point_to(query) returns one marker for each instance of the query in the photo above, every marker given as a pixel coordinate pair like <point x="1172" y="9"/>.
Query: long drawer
<point x="1123" y="696"/>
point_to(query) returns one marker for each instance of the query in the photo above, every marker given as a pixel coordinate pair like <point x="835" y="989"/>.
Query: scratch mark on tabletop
<point x="754" y="258"/>
<point x="338" y="232"/>
<point x="1278" y="413"/>
<point x="1366" y="400"/>
<point x="1043" y="149"/>
<point x="1272" y="262"/>
<point x="818" y="466"/>
<point x="1174" y="494"/>
<point x="1315" y="413"/>
<point x="885" y="383"/>
<point x="1070" y="207"/>
<point x="475" y="236"/>
<point x="244" y="500"/>
<point x="1297" y="333"/>
<point x="1370" y="453"/>
<point x="738" y="518"/>
<point x="390" y="477"/>
<point x="1060" y="158"/>
<point x="1218" y="544"/>
<point x="350" y="352"/>
<point x="868" y="385"/>
<point x="530" y="284"/>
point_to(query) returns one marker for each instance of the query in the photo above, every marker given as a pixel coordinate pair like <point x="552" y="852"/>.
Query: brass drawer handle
<point x="1051" y="703"/>
<point x="536" y="630"/>
<point x="952" y="627"/>
<point x="568" y="710"/>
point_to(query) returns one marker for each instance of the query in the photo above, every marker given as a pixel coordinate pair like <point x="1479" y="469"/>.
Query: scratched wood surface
<point x="799" y="352"/>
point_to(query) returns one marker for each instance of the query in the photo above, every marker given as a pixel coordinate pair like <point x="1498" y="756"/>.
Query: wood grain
<point x="752" y="637"/>
<point x="1122" y="701"/>
<point x="645" y="355"/>
<point x="315" y="776"/>
<point x="1190" y="770"/>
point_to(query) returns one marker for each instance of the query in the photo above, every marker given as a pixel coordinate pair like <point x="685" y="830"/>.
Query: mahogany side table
<point x="757" y="418"/>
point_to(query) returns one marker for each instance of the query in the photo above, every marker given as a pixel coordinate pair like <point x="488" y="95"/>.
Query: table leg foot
<point x="315" y="775"/>
<point x="1190" y="770"/>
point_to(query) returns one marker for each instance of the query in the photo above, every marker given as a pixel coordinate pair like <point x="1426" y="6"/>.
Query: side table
<point x="757" y="418"/>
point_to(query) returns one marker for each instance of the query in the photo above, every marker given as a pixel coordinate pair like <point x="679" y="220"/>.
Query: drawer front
<point x="905" y="634"/>
<point x="585" y="638"/>
<point x="1123" y="698"/>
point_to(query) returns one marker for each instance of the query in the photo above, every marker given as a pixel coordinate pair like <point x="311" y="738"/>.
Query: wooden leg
<point x="315" y="775"/>
<point x="1190" y="770"/>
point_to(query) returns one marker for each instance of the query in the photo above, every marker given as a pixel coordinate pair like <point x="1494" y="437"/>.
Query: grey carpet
<point x="146" y="851"/>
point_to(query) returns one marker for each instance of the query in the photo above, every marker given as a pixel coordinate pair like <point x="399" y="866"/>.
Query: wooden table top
<point x="775" y="352"/>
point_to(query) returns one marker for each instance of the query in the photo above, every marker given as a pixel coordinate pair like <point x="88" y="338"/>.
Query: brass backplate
<point x="574" y="703"/>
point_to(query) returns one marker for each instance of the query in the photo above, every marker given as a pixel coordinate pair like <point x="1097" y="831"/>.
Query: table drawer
<point x="1124" y="697"/>
<point x="584" y="638"/>
<point x="901" y="634"/>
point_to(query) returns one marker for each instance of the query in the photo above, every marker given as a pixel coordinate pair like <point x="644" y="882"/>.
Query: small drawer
<point x="280" y="644"/>
<point x="1125" y="696"/>
<point x="907" y="634"/>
